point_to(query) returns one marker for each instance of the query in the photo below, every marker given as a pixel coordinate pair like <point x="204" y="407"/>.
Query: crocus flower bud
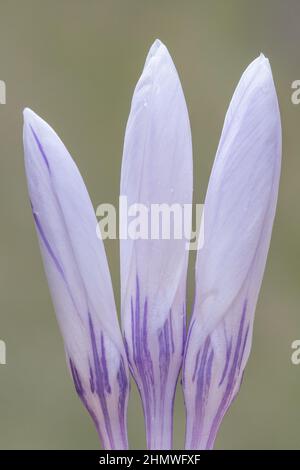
<point x="238" y="218"/>
<point x="79" y="280"/>
<point x="156" y="170"/>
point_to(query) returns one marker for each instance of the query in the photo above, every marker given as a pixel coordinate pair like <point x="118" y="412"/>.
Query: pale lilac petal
<point x="79" y="279"/>
<point x="238" y="218"/>
<point x="156" y="168"/>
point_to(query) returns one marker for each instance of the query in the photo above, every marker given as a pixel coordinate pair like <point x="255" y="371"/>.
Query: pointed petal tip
<point x="33" y="122"/>
<point x="156" y="44"/>
<point x="262" y="56"/>
<point x="32" y="119"/>
<point x="260" y="62"/>
<point x="264" y="61"/>
<point x="259" y="73"/>
<point x="157" y="51"/>
<point x="28" y="114"/>
<point x="28" y="119"/>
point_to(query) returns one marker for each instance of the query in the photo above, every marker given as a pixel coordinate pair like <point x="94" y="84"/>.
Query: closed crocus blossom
<point x="156" y="169"/>
<point x="238" y="217"/>
<point x="79" y="280"/>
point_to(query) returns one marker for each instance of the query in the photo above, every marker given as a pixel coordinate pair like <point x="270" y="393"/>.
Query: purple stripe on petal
<point x="171" y="332"/>
<point x="152" y="354"/>
<point x="142" y="361"/>
<point x="203" y="384"/>
<point x="80" y="391"/>
<point x="184" y="335"/>
<point x="164" y="358"/>
<point x="52" y="255"/>
<point x="46" y="243"/>
<point x="123" y="389"/>
<point x="196" y="365"/>
<point x="76" y="379"/>
<point x="209" y="367"/>
<point x="92" y="384"/>
<point x="228" y="353"/>
<point x="104" y="366"/>
<point x="100" y="386"/>
<point x="41" y="149"/>
<point x="243" y="347"/>
<point x="231" y="381"/>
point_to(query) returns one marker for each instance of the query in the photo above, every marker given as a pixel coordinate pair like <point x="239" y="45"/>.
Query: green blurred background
<point x="76" y="63"/>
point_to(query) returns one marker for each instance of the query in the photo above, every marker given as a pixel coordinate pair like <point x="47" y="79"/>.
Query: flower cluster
<point x="157" y="168"/>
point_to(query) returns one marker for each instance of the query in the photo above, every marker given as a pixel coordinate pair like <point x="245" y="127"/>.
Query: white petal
<point x="238" y="217"/>
<point x="78" y="277"/>
<point x="156" y="169"/>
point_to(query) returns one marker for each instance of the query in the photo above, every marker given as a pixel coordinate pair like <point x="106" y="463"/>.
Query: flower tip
<point x="156" y="50"/>
<point x="156" y="44"/>
<point x="30" y="117"/>
<point x="259" y="73"/>
<point x="27" y="113"/>
<point x="263" y="60"/>
<point x="34" y="122"/>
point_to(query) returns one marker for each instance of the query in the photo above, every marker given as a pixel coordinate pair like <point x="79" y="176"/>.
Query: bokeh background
<point x="76" y="62"/>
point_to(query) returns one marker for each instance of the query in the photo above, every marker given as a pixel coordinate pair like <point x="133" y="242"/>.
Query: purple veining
<point x="184" y="335"/>
<point x="107" y="386"/>
<point x="232" y="378"/>
<point x="228" y="353"/>
<point x="52" y="255"/>
<point x="41" y="149"/>
<point x="76" y="379"/>
<point x="46" y="243"/>
<point x="171" y="332"/>
<point x="92" y="383"/>
<point x="141" y="363"/>
<point x="196" y="365"/>
<point x="204" y="387"/>
<point x="123" y="390"/>
<point x="205" y="359"/>
<point x="243" y="347"/>
<point x="100" y="382"/>
<point x="82" y="395"/>
<point x="152" y="375"/>
<point x="164" y="358"/>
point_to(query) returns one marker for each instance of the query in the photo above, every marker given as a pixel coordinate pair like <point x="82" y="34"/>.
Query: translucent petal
<point x="238" y="218"/>
<point x="79" y="279"/>
<point x="156" y="169"/>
